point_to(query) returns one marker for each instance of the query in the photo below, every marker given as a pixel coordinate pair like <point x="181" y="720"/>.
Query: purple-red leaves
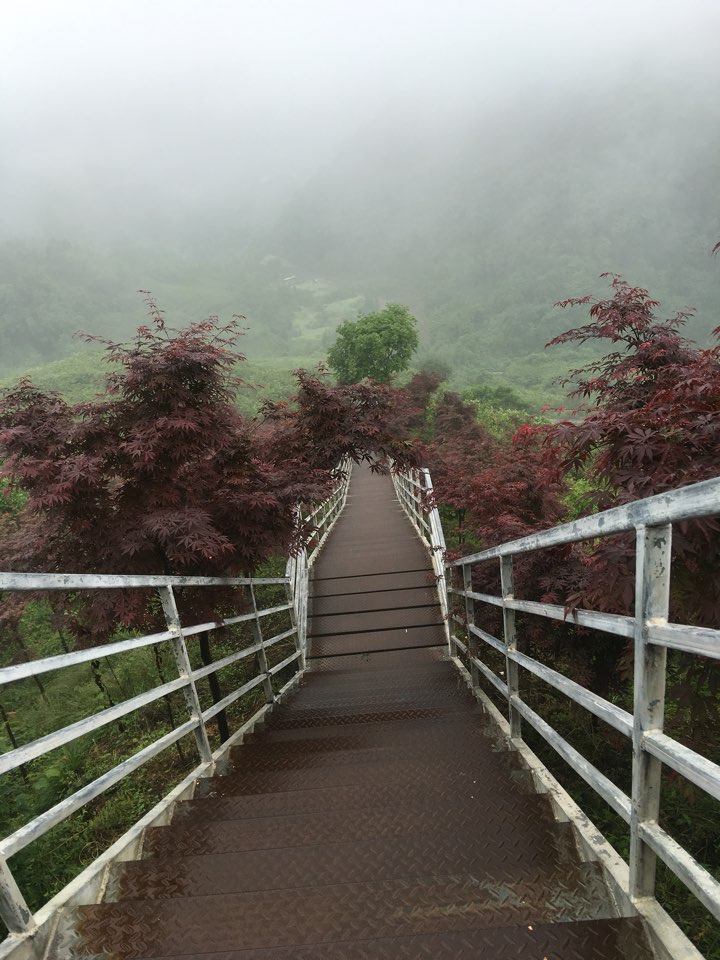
<point x="163" y="475"/>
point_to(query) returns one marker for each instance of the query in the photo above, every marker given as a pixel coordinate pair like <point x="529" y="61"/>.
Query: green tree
<point x="377" y="345"/>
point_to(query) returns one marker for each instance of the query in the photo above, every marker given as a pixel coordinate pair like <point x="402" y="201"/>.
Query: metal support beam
<point x="470" y="619"/>
<point x="294" y="620"/>
<point x="14" y="910"/>
<point x="511" y="668"/>
<point x="261" y="655"/>
<point x="172" y="618"/>
<point x="652" y="594"/>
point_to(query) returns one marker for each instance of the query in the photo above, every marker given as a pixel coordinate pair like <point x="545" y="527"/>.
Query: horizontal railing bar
<point x="231" y="698"/>
<point x="607" y="622"/>
<point x="619" y="719"/>
<point x="315" y="512"/>
<point x="225" y="662"/>
<point x="61" y="811"/>
<point x="686" y="503"/>
<point x="482" y="597"/>
<point x="90" y="581"/>
<point x="685" y="867"/>
<point x="701" y="640"/>
<point x="52" y="741"/>
<point x="20" y="671"/>
<point x="488" y="638"/>
<point x="272" y="610"/>
<point x="328" y="504"/>
<point x="283" y="663"/>
<point x="241" y="618"/>
<point x="217" y="624"/>
<point x="240" y="655"/>
<point x="459" y="643"/>
<point x="280" y="636"/>
<point x="685" y="761"/>
<point x="613" y="715"/>
<point x="611" y="794"/>
<point x="490" y="676"/>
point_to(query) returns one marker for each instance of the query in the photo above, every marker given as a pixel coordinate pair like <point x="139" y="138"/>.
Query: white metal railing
<point x="297" y="571"/>
<point x="414" y="491"/>
<point x="651" y="520"/>
<point x="14" y="910"/>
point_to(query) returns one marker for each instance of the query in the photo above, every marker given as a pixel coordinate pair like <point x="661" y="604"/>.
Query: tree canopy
<point x="377" y="345"/>
<point x="162" y="474"/>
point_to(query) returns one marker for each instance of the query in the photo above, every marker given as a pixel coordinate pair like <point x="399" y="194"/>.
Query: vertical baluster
<point x="511" y="668"/>
<point x="417" y="500"/>
<point x="261" y="655"/>
<point x="470" y="618"/>
<point x="14" y="910"/>
<point x="652" y="595"/>
<point x="172" y="618"/>
<point x="451" y="574"/>
<point x="302" y="587"/>
<point x="292" y="598"/>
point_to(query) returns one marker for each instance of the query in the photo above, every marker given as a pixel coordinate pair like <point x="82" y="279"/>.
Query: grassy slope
<point x="80" y="377"/>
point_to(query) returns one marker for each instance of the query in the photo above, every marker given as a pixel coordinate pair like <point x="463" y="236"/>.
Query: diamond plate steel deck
<point x="375" y="815"/>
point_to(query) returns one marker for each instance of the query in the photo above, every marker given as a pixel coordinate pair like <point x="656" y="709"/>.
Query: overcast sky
<point x="106" y="104"/>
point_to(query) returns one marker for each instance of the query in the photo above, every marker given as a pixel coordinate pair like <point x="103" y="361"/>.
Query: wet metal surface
<point x="374" y="816"/>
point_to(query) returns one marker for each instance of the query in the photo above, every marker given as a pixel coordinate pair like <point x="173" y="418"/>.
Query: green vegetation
<point x="30" y="709"/>
<point x="80" y="377"/>
<point x="377" y="345"/>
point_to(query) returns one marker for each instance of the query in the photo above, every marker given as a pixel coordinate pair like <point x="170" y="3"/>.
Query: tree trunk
<point x="215" y="691"/>
<point x="11" y="736"/>
<point x="166" y="699"/>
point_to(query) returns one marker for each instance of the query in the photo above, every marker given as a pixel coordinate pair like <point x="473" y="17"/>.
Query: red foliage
<point x="655" y="426"/>
<point x="415" y="399"/>
<point x="321" y="424"/>
<point x="507" y="490"/>
<point x="163" y="475"/>
<point x="457" y="451"/>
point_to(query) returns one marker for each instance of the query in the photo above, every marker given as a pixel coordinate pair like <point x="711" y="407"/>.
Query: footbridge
<point x="371" y="801"/>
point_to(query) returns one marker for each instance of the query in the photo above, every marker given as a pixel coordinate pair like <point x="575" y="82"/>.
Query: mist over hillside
<point x="301" y="166"/>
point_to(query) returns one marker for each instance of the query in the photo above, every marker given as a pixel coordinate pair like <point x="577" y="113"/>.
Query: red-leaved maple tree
<point x="654" y="426"/>
<point x="162" y="474"/>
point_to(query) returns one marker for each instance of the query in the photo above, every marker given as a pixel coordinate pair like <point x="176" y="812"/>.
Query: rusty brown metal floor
<point x="375" y="815"/>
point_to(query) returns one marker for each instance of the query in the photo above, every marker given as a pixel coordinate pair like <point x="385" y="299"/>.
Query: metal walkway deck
<point x="376" y="815"/>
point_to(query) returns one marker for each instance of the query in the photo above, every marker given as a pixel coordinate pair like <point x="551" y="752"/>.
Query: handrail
<point x="14" y="910"/>
<point x="414" y="490"/>
<point x="651" y="520"/>
<point x="685" y="503"/>
<point x="297" y="570"/>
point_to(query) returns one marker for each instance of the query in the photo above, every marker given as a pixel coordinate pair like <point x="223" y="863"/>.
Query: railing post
<point x="295" y="614"/>
<point x="261" y="655"/>
<point x="470" y="620"/>
<point x="449" y="583"/>
<point x="511" y="668"/>
<point x="652" y="596"/>
<point x="437" y="548"/>
<point x="302" y="586"/>
<point x="449" y="571"/>
<point x="172" y="618"/>
<point x="14" y="910"/>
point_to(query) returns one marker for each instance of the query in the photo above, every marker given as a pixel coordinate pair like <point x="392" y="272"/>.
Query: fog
<point x="116" y="112"/>
<point x="400" y="150"/>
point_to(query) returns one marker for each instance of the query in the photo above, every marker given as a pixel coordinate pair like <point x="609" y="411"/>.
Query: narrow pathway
<point x="375" y="815"/>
